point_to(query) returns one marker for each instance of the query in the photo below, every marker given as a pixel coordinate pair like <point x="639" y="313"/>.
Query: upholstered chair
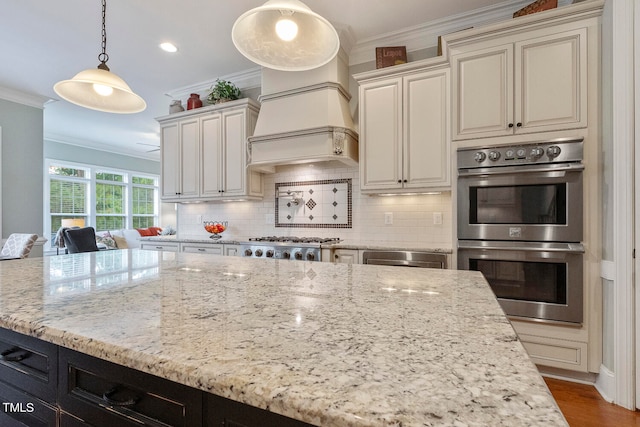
<point x="78" y="240"/>
<point x="18" y="245"/>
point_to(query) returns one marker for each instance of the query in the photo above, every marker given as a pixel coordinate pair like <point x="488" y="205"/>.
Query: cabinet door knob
<point x="519" y="125"/>
<point x="399" y="181"/>
<point x="405" y="181"/>
<point x="510" y="125"/>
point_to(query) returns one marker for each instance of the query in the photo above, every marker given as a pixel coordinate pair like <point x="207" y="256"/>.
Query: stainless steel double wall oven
<point x="520" y="211"/>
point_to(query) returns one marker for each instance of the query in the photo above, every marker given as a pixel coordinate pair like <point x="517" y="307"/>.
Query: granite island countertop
<point x="328" y="344"/>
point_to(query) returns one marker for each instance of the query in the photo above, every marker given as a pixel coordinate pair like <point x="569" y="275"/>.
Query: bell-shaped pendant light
<point x="285" y="35"/>
<point x="98" y="88"/>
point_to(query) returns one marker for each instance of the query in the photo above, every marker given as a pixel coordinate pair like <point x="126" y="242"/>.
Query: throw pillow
<point x="145" y="232"/>
<point x="168" y="231"/>
<point x="155" y="231"/>
<point x="106" y="239"/>
<point x="121" y="242"/>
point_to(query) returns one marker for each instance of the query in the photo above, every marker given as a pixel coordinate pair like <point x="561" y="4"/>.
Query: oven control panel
<point x="560" y="150"/>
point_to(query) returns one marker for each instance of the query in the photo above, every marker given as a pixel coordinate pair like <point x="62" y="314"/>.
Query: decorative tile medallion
<point x="311" y="204"/>
<point x="331" y="204"/>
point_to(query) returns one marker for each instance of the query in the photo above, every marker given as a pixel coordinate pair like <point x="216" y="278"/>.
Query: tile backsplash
<point x="413" y="217"/>
<point x="314" y="204"/>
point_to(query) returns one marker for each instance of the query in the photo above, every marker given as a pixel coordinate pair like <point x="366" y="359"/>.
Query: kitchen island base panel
<point x="220" y="411"/>
<point x="21" y="409"/>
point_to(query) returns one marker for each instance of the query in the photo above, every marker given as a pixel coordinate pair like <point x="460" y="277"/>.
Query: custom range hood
<point x="304" y="118"/>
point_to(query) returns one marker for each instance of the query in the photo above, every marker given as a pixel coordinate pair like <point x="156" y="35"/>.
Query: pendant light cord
<point x="103" y="57"/>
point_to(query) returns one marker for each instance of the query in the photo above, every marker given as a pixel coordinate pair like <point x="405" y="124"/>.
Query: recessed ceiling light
<point x="168" y="47"/>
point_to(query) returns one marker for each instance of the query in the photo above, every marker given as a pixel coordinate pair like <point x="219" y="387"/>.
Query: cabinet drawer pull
<point x="13" y="357"/>
<point x="201" y="249"/>
<point x="159" y="247"/>
<point x="14" y="354"/>
<point x="106" y="396"/>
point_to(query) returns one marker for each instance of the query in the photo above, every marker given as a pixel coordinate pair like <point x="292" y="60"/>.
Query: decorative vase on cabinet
<point x="176" y="107"/>
<point x="194" y="101"/>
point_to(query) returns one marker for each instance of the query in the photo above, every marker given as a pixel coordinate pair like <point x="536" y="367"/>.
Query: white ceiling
<point x="44" y="41"/>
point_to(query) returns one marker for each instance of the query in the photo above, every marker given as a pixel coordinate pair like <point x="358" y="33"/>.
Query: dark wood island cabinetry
<point x="43" y="385"/>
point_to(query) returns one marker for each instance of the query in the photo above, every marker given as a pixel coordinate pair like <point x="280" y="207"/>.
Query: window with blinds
<point x="102" y="198"/>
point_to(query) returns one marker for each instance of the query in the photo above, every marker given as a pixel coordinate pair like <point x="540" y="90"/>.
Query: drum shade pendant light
<point x="285" y="35"/>
<point x="98" y="88"/>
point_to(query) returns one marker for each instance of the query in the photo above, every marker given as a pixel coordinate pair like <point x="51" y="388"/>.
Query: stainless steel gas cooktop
<point x="286" y="247"/>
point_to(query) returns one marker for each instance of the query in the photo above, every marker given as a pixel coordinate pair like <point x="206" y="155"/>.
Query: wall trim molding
<point x="92" y="145"/>
<point x="608" y="270"/>
<point x="425" y="36"/>
<point x="623" y="200"/>
<point x="24" y="98"/>
<point x="606" y="384"/>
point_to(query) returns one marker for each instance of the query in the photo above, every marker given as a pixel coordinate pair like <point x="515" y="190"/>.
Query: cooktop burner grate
<point x="292" y="239"/>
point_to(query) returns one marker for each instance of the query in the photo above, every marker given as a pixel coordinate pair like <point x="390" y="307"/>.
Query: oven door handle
<point x="577" y="248"/>
<point x="562" y="168"/>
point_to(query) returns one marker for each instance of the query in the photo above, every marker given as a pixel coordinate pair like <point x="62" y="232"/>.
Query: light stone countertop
<point x="329" y="344"/>
<point x="345" y="244"/>
<point x="189" y="239"/>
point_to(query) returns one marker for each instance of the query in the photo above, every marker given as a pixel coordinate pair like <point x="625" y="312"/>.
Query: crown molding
<point x="93" y="145"/>
<point x="24" y="98"/>
<point x="247" y="79"/>
<point x="426" y="35"/>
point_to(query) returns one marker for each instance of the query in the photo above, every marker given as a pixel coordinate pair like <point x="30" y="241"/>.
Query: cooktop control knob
<point x="536" y="152"/>
<point x="553" y="151"/>
<point x="521" y="153"/>
<point x="258" y="252"/>
<point x="269" y="253"/>
<point x="311" y="256"/>
<point x="286" y="255"/>
<point x="494" y="155"/>
<point x="248" y="252"/>
<point x="298" y="255"/>
<point x="479" y="157"/>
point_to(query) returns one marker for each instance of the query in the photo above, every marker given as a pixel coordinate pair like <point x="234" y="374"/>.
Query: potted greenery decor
<point x="223" y="91"/>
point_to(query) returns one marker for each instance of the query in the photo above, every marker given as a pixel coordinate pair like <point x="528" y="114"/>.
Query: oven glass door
<point x="520" y="205"/>
<point x="542" y="282"/>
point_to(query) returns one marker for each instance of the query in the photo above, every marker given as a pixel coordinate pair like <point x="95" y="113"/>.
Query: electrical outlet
<point x="437" y="218"/>
<point x="199" y="219"/>
<point x="388" y="218"/>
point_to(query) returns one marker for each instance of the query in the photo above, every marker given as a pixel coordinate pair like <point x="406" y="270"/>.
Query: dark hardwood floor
<point x="583" y="406"/>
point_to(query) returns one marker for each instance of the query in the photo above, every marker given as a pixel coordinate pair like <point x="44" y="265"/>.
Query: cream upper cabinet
<point x="180" y="154"/>
<point x="404" y="126"/>
<point x="204" y="153"/>
<point x="528" y="85"/>
<point x="211" y="158"/>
